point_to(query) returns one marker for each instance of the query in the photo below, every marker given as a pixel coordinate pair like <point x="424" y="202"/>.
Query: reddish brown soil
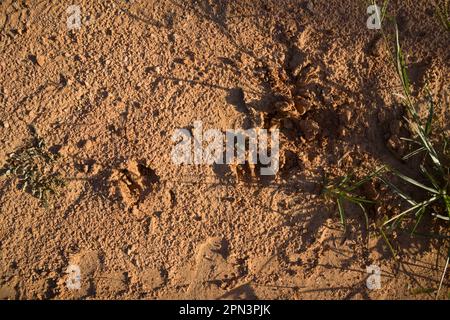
<point x="109" y="96"/>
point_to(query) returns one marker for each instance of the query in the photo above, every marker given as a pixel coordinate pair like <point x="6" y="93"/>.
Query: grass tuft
<point x="345" y="190"/>
<point x="433" y="181"/>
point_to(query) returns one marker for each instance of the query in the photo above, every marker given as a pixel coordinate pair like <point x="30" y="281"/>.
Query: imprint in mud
<point x="212" y="272"/>
<point x="132" y="182"/>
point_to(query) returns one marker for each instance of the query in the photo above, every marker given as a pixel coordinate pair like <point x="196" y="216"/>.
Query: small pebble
<point x="40" y="60"/>
<point x="135" y="211"/>
<point x="88" y="145"/>
<point x="347" y="116"/>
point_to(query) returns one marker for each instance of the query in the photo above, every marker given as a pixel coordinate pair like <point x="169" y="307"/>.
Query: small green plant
<point x="434" y="169"/>
<point x="443" y="14"/>
<point x="31" y="166"/>
<point x="345" y="190"/>
<point x="433" y="165"/>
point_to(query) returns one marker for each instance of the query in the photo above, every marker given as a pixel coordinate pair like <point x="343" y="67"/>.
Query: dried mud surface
<point x="109" y="96"/>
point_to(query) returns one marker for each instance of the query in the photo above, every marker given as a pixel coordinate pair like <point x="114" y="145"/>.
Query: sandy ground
<point x="108" y="98"/>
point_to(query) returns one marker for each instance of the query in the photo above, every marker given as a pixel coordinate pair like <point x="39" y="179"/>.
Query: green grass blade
<point x="417" y="206"/>
<point x="426" y="143"/>
<point x="409" y="140"/>
<point x="430" y="113"/>
<point x="419" y="216"/>
<point x="430" y="177"/>
<point x="443" y="276"/>
<point x="384" y="10"/>
<point x="446" y="144"/>
<point x="344" y="181"/>
<point x="367" y="178"/>
<point x="414" y="153"/>
<point x="366" y="216"/>
<point x="416" y="183"/>
<point x="401" y="64"/>
<point x="441" y="217"/>
<point x="447" y="203"/>
<point x="341" y="212"/>
<point x="391" y="248"/>
<point x="356" y="200"/>
<point x="403" y="195"/>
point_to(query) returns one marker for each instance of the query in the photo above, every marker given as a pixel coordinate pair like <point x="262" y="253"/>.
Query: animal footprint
<point x="133" y="182"/>
<point x="210" y="270"/>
